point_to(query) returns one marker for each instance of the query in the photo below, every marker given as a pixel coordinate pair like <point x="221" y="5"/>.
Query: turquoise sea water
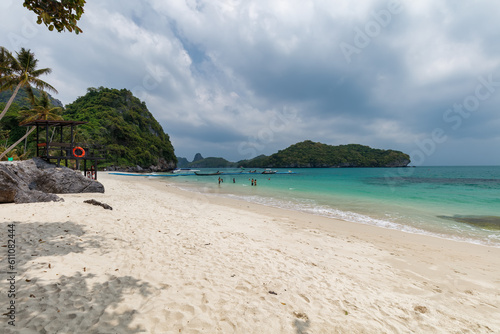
<point x="440" y="201"/>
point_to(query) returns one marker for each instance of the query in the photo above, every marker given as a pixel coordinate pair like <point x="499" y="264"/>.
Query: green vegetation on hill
<point x="123" y="125"/>
<point x="10" y="130"/>
<point x="311" y="154"/>
<point x="23" y="100"/>
<point x="117" y="121"/>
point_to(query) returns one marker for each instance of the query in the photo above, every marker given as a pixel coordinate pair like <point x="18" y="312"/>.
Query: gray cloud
<point x="239" y="78"/>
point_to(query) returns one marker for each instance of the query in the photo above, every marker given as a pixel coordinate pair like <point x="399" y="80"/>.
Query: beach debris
<point x="94" y="202"/>
<point x="273" y="293"/>
<point x="301" y="316"/>
<point x="421" y="309"/>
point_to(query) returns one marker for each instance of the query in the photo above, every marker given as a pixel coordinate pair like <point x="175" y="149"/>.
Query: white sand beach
<point x="169" y="261"/>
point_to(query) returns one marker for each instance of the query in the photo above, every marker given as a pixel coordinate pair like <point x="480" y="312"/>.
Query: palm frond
<point x="37" y="73"/>
<point x="42" y="85"/>
<point x="42" y="110"/>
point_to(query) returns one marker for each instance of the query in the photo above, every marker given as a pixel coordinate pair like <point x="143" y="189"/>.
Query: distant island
<point x="200" y="162"/>
<point x="309" y="154"/>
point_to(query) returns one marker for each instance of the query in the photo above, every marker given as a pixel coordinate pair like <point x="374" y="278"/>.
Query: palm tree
<point x="21" y="71"/>
<point x="42" y="110"/>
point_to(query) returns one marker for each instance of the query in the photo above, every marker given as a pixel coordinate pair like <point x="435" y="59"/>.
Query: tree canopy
<point x="123" y="125"/>
<point x="60" y="15"/>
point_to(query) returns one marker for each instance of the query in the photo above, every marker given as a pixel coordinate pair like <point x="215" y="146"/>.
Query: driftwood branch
<point x="94" y="202"/>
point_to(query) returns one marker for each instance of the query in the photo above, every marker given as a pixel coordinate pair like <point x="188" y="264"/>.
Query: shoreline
<point x="165" y="260"/>
<point x="325" y="224"/>
<point x="356" y="218"/>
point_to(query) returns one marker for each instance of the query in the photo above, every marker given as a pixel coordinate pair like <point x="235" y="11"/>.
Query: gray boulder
<point x="36" y="180"/>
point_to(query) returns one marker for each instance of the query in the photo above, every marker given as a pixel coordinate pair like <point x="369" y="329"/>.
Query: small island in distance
<point x="309" y="154"/>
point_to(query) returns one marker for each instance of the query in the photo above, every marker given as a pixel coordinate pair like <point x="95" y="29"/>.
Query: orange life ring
<point x="81" y="155"/>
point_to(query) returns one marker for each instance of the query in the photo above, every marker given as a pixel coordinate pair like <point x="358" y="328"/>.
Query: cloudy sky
<point x="240" y="78"/>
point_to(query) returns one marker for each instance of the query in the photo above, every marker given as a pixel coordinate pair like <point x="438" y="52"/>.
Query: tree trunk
<point x="7" y="106"/>
<point x="16" y="143"/>
<point x="26" y="141"/>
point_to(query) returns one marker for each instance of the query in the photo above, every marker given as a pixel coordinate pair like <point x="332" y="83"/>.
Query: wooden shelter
<point x="48" y="149"/>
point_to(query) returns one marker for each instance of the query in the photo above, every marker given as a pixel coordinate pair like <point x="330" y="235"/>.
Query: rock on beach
<point x="36" y="180"/>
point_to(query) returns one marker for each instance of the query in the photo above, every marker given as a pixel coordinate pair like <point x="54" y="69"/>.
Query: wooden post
<point x="95" y="169"/>
<point x="71" y="146"/>
<point x="60" y="141"/>
<point x="47" y="140"/>
<point x="37" y="140"/>
<point x="72" y="141"/>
